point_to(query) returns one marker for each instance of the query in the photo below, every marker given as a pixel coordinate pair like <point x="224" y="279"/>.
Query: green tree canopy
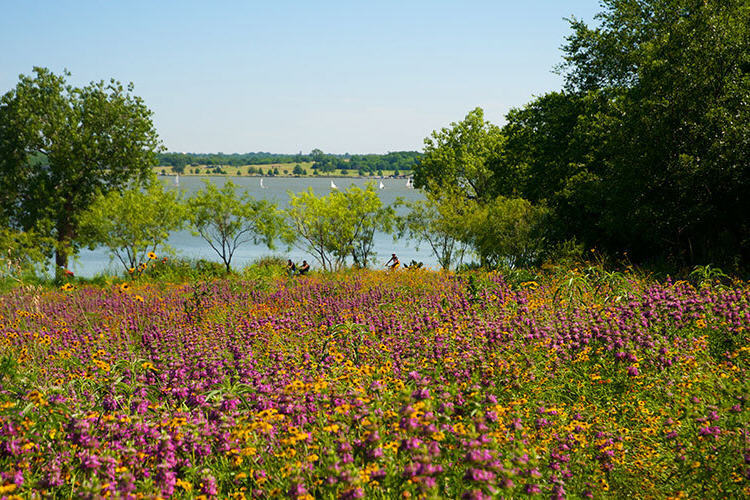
<point x="226" y="219"/>
<point x="94" y="140"/>
<point x="133" y="222"/>
<point x="438" y="221"/>
<point x="338" y="225"/>
<point x="671" y="131"/>
<point x="461" y="157"/>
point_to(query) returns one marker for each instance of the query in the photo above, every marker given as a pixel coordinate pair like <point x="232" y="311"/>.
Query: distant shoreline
<point x="166" y="171"/>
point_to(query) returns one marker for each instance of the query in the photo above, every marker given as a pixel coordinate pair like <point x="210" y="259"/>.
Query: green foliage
<point x="505" y="231"/>
<point x="227" y="220"/>
<point x="180" y="270"/>
<point x="436" y="221"/>
<point x="265" y="272"/>
<point x="705" y="276"/>
<point x="460" y="157"/>
<point x="62" y="146"/>
<point x="338" y="225"/>
<point x="671" y="81"/>
<point x="132" y="223"/>
<point x="22" y="253"/>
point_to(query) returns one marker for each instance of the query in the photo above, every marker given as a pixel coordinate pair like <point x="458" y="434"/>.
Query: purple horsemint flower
<point x="297" y="490"/>
<point x="446" y="407"/>
<point x="89" y="461"/>
<point x="208" y="485"/>
<point x="420" y="394"/>
<point x="541" y="422"/>
<point x="476" y="495"/>
<point x="54" y="476"/>
<point x="411" y="470"/>
<point x="479" y="456"/>
<point x="353" y="493"/>
<point x="709" y="431"/>
<point x="376" y="453"/>
<point x="532" y="489"/>
<point x="229" y="405"/>
<point x="167" y="480"/>
<point x="376" y="386"/>
<point x="479" y="475"/>
<point x="411" y="443"/>
<point x="633" y="371"/>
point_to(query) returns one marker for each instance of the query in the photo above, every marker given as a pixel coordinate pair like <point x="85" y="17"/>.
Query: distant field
<point x="285" y="169"/>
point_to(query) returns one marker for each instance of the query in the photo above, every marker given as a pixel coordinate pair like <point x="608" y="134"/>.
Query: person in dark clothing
<point x="290" y="267"/>
<point x="304" y="268"/>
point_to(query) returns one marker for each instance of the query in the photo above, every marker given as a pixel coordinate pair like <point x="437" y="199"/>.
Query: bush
<point x="180" y="270"/>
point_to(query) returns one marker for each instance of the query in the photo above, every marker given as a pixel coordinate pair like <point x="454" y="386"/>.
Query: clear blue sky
<point x="288" y="76"/>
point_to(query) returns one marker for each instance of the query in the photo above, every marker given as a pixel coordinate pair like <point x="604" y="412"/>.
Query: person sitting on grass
<point x="290" y="267"/>
<point x="393" y="263"/>
<point x="304" y="268"/>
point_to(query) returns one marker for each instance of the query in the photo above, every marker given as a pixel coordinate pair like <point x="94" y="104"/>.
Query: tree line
<point x="321" y="162"/>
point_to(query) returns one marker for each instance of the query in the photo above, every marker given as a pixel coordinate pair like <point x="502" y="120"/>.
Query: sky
<point x="289" y="76"/>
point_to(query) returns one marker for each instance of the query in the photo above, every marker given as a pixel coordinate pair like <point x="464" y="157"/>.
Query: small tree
<point x="439" y="223"/>
<point x="133" y="223"/>
<point x="338" y="225"/>
<point x="227" y="220"/>
<point x="505" y="231"/>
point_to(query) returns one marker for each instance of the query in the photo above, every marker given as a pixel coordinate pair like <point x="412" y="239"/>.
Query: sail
<point x="177" y="179"/>
<point x="333" y="186"/>
<point x="381" y="185"/>
<point x="261" y="183"/>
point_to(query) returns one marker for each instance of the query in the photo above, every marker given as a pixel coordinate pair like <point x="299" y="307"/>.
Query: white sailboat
<point x="382" y="186"/>
<point x="177" y="179"/>
<point x="261" y="183"/>
<point x="333" y="186"/>
<point x="409" y="183"/>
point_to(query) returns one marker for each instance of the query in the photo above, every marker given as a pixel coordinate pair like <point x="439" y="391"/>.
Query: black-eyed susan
<point x="125" y="287"/>
<point x="151" y="255"/>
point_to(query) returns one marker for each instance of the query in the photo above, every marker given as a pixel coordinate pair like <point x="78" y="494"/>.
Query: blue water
<point x="92" y="262"/>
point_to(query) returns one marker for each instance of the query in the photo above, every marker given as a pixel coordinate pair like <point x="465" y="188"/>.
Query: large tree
<point x="62" y="146"/>
<point x="460" y="158"/>
<point x="673" y="80"/>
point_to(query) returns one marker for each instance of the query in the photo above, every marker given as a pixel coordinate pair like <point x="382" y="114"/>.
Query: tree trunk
<point x="65" y="233"/>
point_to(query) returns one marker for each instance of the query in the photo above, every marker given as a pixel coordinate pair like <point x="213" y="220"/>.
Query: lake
<point x="92" y="262"/>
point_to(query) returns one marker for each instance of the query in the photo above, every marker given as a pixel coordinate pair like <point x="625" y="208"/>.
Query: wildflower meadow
<point x="411" y="384"/>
